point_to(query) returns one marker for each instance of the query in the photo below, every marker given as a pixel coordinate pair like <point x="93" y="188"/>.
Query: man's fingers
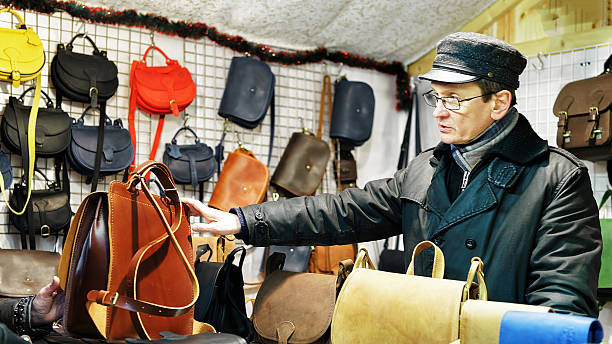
<point x="205" y="227"/>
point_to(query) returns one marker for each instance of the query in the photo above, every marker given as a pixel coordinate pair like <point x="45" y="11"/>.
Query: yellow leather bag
<point x="377" y="306"/>
<point x="22" y="58"/>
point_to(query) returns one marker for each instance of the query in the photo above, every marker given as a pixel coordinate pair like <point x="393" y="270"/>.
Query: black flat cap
<point x="468" y="56"/>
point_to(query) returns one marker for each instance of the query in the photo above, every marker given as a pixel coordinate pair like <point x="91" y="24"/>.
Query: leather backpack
<point x="83" y="78"/>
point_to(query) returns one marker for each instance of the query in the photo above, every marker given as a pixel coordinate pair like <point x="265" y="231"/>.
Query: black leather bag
<point x="221" y="302"/>
<point x="48" y="211"/>
<point x="52" y="127"/>
<point x="6" y="169"/>
<point x="352" y="112"/>
<point x="392" y="260"/>
<point x="189" y="164"/>
<point x="117" y="151"/>
<point x="296" y="257"/>
<point x="81" y="77"/>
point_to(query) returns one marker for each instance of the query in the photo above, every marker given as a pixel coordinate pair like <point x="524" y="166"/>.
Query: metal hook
<point x="540" y="54"/>
<point x="325" y="68"/>
<point x="304" y="129"/>
<point x="238" y="139"/>
<point x="338" y="76"/>
<point x="225" y="125"/>
<point x="82" y="28"/>
<point x="185" y="118"/>
<point x="152" y="36"/>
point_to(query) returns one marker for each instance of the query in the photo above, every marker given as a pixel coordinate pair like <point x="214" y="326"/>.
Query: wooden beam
<point x="566" y="41"/>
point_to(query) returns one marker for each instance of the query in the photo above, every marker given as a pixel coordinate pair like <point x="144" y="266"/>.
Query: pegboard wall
<point x="297" y="102"/>
<point x="541" y="82"/>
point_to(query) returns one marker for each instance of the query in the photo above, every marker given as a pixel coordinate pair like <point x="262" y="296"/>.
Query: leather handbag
<point x="22" y="58"/>
<point x="52" y="134"/>
<point x="583" y="109"/>
<point x="48" y="212"/>
<point x="117" y="151"/>
<point x="25" y="272"/>
<point x="127" y="265"/>
<point x="219" y="247"/>
<point x="353" y="112"/>
<point x="429" y="315"/>
<point x="345" y="166"/>
<point x="392" y="260"/>
<point x="325" y="259"/>
<point x="158" y="90"/>
<point x="294" y="307"/>
<point x="221" y="299"/>
<point x="189" y="164"/>
<point x="83" y="78"/>
<point x="296" y="257"/>
<point x="242" y="181"/>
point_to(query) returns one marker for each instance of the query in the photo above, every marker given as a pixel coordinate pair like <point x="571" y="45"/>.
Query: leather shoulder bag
<point x="48" y="212"/>
<point x="191" y="163"/>
<point x="430" y="314"/>
<point x="583" y="109"/>
<point x="158" y="91"/>
<point x="117" y="151"/>
<point x="25" y="272"/>
<point x="296" y="257"/>
<point x="243" y="181"/>
<point x="52" y="127"/>
<point x="353" y="112"/>
<point x="22" y="58"/>
<point x="127" y="265"/>
<point x="221" y="299"/>
<point x="84" y="78"/>
<point x="325" y="259"/>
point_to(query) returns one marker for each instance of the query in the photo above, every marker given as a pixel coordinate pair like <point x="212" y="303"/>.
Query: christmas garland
<point x="236" y="43"/>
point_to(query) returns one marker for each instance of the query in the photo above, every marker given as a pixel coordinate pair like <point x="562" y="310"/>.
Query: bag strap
<point x="363" y="260"/>
<point x="112" y="298"/>
<point x="49" y="101"/>
<point x="197" y="140"/>
<point x="96" y="51"/>
<point x="438" y="264"/>
<point x="476" y="269"/>
<point x="325" y="91"/>
<point x="272" y="111"/>
<point x="154" y="47"/>
<point x="22" y="24"/>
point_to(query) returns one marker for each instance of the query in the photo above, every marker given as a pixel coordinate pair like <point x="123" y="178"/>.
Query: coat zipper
<point x="464" y="182"/>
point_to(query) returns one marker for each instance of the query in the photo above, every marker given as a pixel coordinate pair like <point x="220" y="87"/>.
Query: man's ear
<point x="501" y="104"/>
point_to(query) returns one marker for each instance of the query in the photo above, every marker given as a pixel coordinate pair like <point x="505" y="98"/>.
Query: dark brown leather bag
<point x="127" y="264"/>
<point x="301" y="168"/>
<point x="25" y="272"/>
<point x="325" y="259"/>
<point x="583" y="109"/>
<point x="242" y="181"/>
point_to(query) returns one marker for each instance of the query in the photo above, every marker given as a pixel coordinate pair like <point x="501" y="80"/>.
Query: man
<point x="492" y="188"/>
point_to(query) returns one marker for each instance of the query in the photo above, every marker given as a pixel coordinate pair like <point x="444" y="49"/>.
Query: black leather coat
<point x="529" y="214"/>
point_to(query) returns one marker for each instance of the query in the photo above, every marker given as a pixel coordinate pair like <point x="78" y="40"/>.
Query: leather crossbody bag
<point x="48" y="211"/>
<point x="242" y="181"/>
<point x="158" y="91"/>
<point x="127" y="265"/>
<point x="84" y="78"/>
<point x="25" y="272"/>
<point x="353" y="112"/>
<point x="191" y="163"/>
<point x="116" y="154"/>
<point x="584" y="110"/>
<point x="52" y="127"/>
<point x="22" y="58"/>
<point x="221" y="300"/>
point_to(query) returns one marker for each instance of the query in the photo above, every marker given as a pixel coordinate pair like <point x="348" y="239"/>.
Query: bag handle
<point x="438" y="264"/>
<point x="144" y="57"/>
<point x="113" y="298"/>
<point x="69" y="46"/>
<point x="197" y="140"/>
<point x="476" y="269"/>
<point x="363" y="260"/>
<point x="107" y="119"/>
<point x="22" y="24"/>
<point x="32" y="88"/>
<point x="202" y="250"/>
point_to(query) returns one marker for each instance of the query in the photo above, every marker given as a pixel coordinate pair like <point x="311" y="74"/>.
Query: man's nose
<point x="440" y="110"/>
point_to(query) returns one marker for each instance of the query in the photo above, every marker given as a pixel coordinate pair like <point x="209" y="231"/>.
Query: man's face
<point x="463" y="125"/>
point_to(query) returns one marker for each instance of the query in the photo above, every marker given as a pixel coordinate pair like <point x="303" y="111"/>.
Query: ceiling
<point x="391" y="30"/>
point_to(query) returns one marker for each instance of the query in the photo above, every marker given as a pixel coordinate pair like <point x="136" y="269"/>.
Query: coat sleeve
<point x="565" y="260"/>
<point x="354" y="215"/>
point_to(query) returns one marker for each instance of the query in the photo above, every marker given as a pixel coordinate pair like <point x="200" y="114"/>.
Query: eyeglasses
<point x="450" y="103"/>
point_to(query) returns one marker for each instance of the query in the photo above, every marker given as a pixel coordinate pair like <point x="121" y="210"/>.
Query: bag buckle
<point x="562" y="118"/>
<point x="92" y="90"/>
<point x="596" y="134"/>
<point x="567" y="136"/>
<point x="593" y="113"/>
<point x="113" y="300"/>
<point x="45" y="231"/>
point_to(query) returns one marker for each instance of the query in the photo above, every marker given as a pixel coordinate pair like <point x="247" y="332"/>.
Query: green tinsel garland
<point x="236" y="43"/>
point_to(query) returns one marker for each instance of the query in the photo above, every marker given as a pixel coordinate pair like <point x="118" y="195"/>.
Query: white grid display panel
<point x="297" y="96"/>
<point x="540" y="84"/>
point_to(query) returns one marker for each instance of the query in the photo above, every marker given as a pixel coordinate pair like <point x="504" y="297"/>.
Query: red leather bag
<point x="127" y="265"/>
<point x="158" y="91"/>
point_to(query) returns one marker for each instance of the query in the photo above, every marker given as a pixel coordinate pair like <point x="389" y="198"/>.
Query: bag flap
<point x="49" y="122"/>
<point x="352" y="112"/>
<point x="201" y="152"/>
<point x="578" y="96"/>
<point x="248" y="90"/>
<point x="25" y="272"/>
<point x="86" y="137"/>
<point x="151" y="79"/>
<point x="207" y="274"/>
<point x="80" y="66"/>
<point x="24" y="46"/>
<point x="304" y="299"/>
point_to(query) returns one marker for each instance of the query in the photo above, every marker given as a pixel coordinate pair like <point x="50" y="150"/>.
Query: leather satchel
<point x="127" y="265"/>
<point x="296" y="257"/>
<point x="189" y="164"/>
<point x="294" y="307"/>
<point x="158" y="90"/>
<point x="353" y="112"/>
<point x="429" y="315"/>
<point x="25" y="272"/>
<point x="52" y="127"/>
<point x="48" y="212"/>
<point x="325" y="259"/>
<point x="83" y="78"/>
<point x="583" y="109"/>
<point x="117" y="150"/>
<point x="242" y="181"/>
<point x="221" y="299"/>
